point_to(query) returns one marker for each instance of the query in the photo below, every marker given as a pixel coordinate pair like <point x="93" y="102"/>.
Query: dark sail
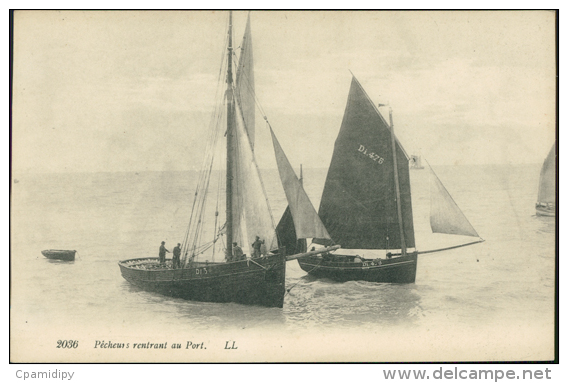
<point x="358" y="205"/>
<point x="286" y="234"/>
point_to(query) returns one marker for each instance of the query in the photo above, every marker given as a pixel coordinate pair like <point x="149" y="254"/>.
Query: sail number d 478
<point x="374" y="156"/>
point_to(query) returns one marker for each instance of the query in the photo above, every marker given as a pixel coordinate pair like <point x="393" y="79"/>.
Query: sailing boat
<point x="416" y="162"/>
<point x="258" y="279"/>
<point x="546" y="203"/>
<point x="289" y="238"/>
<point x="366" y="202"/>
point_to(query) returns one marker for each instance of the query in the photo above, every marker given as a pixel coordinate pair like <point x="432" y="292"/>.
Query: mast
<point x="397" y="187"/>
<point x="230" y="119"/>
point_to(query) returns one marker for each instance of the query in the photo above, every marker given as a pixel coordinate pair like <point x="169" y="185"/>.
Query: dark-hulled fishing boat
<point x="546" y="202"/>
<point x="62" y="255"/>
<point x="366" y="202"/>
<point x="256" y="282"/>
<point x="249" y="227"/>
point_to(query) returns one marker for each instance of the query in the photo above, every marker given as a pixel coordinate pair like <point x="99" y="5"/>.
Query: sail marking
<point x="358" y="205"/>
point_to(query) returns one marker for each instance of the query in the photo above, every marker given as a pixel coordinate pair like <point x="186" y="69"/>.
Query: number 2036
<point x="67" y="343"/>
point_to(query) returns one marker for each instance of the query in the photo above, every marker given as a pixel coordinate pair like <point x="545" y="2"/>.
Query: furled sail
<point x="358" y="204"/>
<point x="244" y="89"/>
<point x="445" y="215"/>
<point x="306" y="220"/>
<point x="547" y="184"/>
<point x="253" y="217"/>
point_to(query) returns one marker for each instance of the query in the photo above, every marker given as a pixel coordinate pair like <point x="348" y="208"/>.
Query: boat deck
<point x="154" y="264"/>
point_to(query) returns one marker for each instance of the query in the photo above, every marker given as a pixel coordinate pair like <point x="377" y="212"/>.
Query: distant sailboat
<point x="366" y="202"/>
<point x="416" y="162"/>
<point x="546" y="202"/>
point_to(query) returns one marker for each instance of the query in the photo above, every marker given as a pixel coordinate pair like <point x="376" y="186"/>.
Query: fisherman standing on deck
<point x="256" y="247"/>
<point x="162" y="253"/>
<point x="263" y="249"/>
<point x="176" y="257"/>
<point x="237" y="252"/>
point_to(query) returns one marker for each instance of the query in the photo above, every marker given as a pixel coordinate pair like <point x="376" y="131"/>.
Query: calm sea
<point x="491" y="301"/>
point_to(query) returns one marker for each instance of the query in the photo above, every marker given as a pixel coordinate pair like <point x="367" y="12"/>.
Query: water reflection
<point x="545" y="224"/>
<point x="357" y="303"/>
<point x="478" y="284"/>
<point x="59" y="261"/>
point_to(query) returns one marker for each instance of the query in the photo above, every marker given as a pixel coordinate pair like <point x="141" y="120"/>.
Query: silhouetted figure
<point x="237" y="253"/>
<point x="162" y="253"/>
<point x="256" y="247"/>
<point x="176" y="257"/>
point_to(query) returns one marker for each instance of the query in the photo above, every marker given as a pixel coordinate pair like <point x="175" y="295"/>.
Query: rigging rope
<point x="195" y="229"/>
<point x="215" y="234"/>
<point x="259" y="174"/>
<point x="295" y="284"/>
<point x="203" y="183"/>
<point x="251" y="90"/>
<point x="256" y="263"/>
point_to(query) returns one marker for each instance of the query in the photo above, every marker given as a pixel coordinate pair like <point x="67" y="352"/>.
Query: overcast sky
<point x="133" y="91"/>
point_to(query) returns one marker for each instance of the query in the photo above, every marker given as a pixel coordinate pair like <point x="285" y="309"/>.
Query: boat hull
<point x="400" y="269"/>
<point x="545" y="211"/>
<point x="254" y="282"/>
<point x="62" y="255"/>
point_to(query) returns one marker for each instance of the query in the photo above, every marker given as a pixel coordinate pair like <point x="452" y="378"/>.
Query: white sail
<point x="306" y="220"/>
<point x="245" y="103"/>
<point x="255" y="211"/>
<point x="547" y="182"/>
<point x="445" y="215"/>
<point x="244" y="89"/>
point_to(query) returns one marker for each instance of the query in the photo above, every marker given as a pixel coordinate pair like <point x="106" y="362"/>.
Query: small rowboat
<point x="62" y="255"/>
